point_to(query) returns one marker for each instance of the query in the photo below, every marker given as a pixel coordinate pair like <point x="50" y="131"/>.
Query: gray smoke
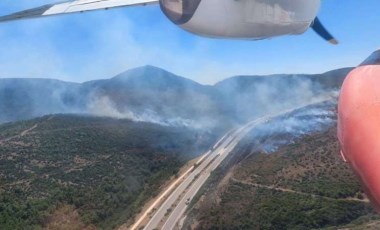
<point x="285" y="129"/>
<point x="103" y="106"/>
<point x="150" y="94"/>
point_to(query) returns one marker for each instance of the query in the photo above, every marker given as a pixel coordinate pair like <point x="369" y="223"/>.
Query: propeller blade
<point x="321" y="31"/>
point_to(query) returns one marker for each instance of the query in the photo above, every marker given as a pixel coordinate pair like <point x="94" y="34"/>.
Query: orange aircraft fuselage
<point x="359" y="125"/>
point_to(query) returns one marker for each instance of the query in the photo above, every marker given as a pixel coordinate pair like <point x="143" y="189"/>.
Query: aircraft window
<point x="179" y="11"/>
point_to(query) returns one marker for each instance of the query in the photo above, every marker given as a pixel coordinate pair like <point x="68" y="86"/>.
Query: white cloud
<point x="106" y="43"/>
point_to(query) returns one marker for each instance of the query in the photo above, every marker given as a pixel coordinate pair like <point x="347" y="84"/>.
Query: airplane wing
<point x="73" y="7"/>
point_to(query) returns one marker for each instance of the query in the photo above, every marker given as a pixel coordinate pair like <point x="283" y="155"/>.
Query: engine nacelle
<point x="242" y="19"/>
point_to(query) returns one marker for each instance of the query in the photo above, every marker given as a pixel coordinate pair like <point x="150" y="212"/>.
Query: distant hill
<point x="373" y="59"/>
<point x="152" y="94"/>
<point x="155" y="95"/>
<point x="99" y="171"/>
<point x="253" y="96"/>
<point x="22" y="99"/>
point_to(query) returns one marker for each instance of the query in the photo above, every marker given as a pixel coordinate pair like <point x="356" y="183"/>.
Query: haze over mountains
<point x="90" y="171"/>
<point x="154" y="95"/>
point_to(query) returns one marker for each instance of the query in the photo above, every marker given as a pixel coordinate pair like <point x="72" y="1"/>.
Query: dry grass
<point x="66" y="218"/>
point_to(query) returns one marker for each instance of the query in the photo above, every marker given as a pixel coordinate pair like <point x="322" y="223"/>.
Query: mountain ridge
<point x="373" y="59"/>
<point x="121" y="75"/>
<point x="152" y="94"/>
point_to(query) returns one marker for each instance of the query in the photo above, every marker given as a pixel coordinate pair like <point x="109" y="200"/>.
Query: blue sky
<point x="101" y="44"/>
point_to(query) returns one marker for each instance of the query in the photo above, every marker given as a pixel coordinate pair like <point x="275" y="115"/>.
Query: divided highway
<point x="167" y="215"/>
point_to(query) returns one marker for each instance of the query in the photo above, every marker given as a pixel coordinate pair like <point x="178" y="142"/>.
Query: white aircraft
<point x="235" y="19"/>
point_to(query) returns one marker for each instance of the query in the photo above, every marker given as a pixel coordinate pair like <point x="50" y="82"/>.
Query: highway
<point x="168" y="214"/>
<point x="222" y="152"/>
<point x="171" y="208"/>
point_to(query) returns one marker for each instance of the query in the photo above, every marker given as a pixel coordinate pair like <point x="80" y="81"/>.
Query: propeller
<point x="321" y="31"/>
